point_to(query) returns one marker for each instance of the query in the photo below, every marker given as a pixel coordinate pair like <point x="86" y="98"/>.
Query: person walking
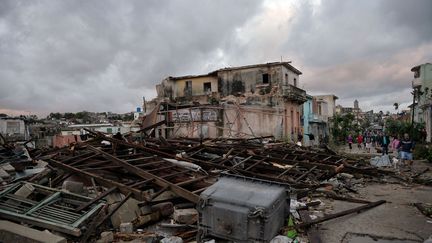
<point x="384" y="141"/>
<point x="359" y="141"/>
<point x="394" y="146"/>
<point x="350" y="141"/>
<point x="368" y="140"/>
<point x="374" y="138"/>
<point x="406" y="146"/>
<point x="364" y="139"/>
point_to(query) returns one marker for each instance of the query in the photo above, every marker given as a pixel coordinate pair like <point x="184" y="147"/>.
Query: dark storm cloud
<point x="361" y="49"/>
<point x="104" y="55"/>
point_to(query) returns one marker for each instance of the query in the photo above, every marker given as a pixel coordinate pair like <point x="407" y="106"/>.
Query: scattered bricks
<point x="126" y="227"/>
<point x="73" y="187"/>
<point x="165" y="209"/>
<point x="4" y="174"/>
<point x="144" y="219"/>
<point x="106" y="237"/>
<point x="186" y="216"/>
<point x="25" y="190"/>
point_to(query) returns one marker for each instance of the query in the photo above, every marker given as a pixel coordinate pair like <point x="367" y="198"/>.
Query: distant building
<point x="422" y="85"/>
<point x="344" y="110"/>
<point x="326" y="105"/>
<point x="356" y="104"/>
<point x="317" y="111"/>
<point x="14" y="129"/>
<point x="254" y="100"/>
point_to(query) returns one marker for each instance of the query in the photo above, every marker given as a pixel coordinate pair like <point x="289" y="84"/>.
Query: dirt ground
<point x="395" y="221"/>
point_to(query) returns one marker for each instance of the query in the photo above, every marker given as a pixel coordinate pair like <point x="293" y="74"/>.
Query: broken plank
<point x="340" y="214"/>
<point x="146" y="175"/>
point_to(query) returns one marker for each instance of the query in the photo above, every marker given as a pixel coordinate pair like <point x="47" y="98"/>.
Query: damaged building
<point x="246" y="101"/>
<point x="317" y="112"/>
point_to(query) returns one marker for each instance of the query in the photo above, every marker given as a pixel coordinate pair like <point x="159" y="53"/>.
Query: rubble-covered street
<point x="110" y="190"/>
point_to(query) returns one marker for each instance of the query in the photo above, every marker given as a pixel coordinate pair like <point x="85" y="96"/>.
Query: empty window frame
<point x="188" y="88"/>
<point x="207" y="87"/>
<point x="266" y="78"/>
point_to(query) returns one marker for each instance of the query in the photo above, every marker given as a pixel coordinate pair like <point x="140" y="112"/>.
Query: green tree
<point x="399" y="128"/>
<point x="343" y="125"/>
<point x="55" y="115"/>
<point x="69" y="115"/>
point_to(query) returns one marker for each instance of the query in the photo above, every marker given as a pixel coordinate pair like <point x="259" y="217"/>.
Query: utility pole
<point x="412" y="113"/>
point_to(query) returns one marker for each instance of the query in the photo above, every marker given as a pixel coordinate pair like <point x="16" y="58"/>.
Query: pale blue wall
<point x="307" y="111"/>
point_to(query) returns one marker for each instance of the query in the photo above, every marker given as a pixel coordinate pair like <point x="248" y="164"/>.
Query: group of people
<point x="402" y="148"/>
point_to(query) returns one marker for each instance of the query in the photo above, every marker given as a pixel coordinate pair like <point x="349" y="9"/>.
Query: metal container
<point x="243" y="209"/>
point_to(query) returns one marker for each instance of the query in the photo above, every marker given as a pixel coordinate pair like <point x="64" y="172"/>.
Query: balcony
<point x="293" y="93"/>
<point x="416" y="83"/>
<point x="317" y="118"/>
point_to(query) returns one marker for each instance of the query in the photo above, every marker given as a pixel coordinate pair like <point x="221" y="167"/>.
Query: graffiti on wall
<point x="188" y="115"/>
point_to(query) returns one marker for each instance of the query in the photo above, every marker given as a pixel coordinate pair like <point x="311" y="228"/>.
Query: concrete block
<point x="8" y="168"/>
<point x="25" y="190"/>
<point x="11" y="232"/>
<point x="4" y="174"/>
<point x="41" y="164"/>
<point x="186" y="216"/>
<point x="145" y="219"/>
<point x="106" y="237"/>
<point x="147" y="209"/>
<point x="126" y="227"/>
<point x="128" y="212"/>
<point x="165" y="209"/>
<point x="74" y="187"/>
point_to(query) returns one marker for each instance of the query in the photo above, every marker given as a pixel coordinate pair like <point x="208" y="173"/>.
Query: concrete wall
<point x="174" y="88"/>
<point x="283" y="122"/>
<point x="196" y="130"/>
<point x="197" y="85"/>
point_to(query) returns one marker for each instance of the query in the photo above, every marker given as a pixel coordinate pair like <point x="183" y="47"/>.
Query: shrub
<point x="422" y="151"/>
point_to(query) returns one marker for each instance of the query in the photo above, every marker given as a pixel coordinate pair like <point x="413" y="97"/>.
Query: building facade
<point x="422" y="85"/>
<point x="246" y="101"/>
<point x="317" y="112"/>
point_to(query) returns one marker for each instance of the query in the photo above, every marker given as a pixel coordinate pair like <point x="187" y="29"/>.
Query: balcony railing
<point x="291" y="92"/>
<point x="316" y="118"/>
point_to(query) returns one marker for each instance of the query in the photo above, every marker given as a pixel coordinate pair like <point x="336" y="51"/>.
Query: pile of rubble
<point x="109" y="189"/>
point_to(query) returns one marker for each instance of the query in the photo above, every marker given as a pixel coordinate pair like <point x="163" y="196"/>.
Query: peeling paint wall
<point x="197" y="87"/>
<point x="187" y="87"/>
<point x="283" y="121"/>
<point x="232" y="82"/>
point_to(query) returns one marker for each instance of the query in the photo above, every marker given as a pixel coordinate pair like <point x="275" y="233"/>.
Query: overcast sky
<point x="100" y="55"/>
